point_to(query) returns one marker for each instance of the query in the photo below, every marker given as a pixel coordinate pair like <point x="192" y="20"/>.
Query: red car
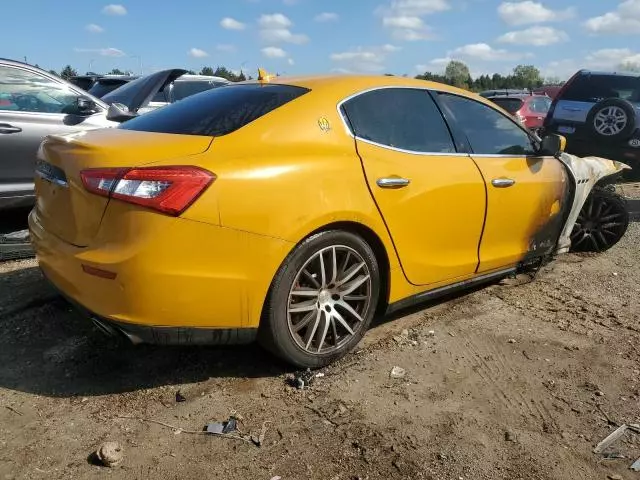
<point x="530" y="110"/>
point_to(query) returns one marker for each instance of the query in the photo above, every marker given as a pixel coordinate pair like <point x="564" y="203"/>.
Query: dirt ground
<point x="517" y="380"/>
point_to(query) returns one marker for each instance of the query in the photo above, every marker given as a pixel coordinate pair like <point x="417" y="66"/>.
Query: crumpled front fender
<point x="586" y="173"/>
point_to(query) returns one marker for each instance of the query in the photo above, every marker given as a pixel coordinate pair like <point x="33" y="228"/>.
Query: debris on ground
<point x="615" y="477"/>
<point x="219" y="428"/>
<point x="635" y="466"/>
<point x="615" y="436"/>
<point x="512" y="340"/>
<point x="302" y="380"/>
<point x="180" y="397"/>
<point x="509" y="436"/>
<point x="397" y="372"/>
<point x="110" y="454"/>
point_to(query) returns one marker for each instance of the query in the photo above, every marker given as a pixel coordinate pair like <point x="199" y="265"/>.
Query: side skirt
<point x="448" y="289"/>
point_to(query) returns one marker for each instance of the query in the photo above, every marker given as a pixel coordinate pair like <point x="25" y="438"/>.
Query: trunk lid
<point x="64" y="207"/>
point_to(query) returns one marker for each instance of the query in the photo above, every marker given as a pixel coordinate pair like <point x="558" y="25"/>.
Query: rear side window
<point x="540" y="105"/>
<point x="593" y="88"/>
<point x="511" y="105"/>
<point x="216" y="112"/>
<point x="404" y="118"/>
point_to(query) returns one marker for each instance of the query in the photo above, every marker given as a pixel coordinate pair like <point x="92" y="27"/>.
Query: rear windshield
<point x="593" y="88"/>
<point x="216" y="112"/>
<point x="100" y="89"/>
<point x="511" y="105"/>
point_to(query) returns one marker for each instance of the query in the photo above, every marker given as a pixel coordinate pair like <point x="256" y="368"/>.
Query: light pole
<point x="139" y="62"/>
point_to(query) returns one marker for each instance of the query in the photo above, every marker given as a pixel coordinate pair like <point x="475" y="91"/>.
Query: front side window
<point x="25" y="91"/>
<point x="404" y="118"/>
<point x="489" y="132"/>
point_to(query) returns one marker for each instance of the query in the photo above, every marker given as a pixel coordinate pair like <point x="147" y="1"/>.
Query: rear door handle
<point x="6" y="128"/>
<point x="393" y="182"/>
<point x="503" y="182"/>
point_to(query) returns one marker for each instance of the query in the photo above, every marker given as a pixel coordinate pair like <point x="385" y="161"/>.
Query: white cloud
<point x="326" y="17"/>
<point x="232" y="24"/>
<point x="273" y="52"/>
<point x="537" y="36"/>
<point x="403" y="18"/>
<point x="611" y="58"/>
<point x="290" y="61"/>
<point x="223" y="47"/>
<point x="624" y="20"/>
<point x="483" y="51"/>
<point x="363" y="59"/>
<point x="197" y="53"/>
<point x="114" y="9"/>
<point x="522" y="13"/>
<point x="275" y="29"/>
<point x="93" y="28"/>
<point x="104" y="52"/>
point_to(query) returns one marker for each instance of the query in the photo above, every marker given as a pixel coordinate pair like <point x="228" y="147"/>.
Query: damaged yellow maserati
<point x="295" y="210"/>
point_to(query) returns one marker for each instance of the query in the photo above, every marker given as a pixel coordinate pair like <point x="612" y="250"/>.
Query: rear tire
<point x="612" y="120"/>
<point x="602" y="222"/>
<point x="322" y="300"/>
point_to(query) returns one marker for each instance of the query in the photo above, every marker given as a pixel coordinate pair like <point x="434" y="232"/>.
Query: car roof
<point x="338" y="87"/>
<point x="520" y="96"/>
<point x="617" y="74"/>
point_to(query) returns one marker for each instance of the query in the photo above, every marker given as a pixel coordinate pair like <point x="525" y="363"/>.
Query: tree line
<point x="456" y="73"/>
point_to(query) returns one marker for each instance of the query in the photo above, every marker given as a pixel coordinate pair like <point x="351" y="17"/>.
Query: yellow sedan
<point x="294" y="211"/>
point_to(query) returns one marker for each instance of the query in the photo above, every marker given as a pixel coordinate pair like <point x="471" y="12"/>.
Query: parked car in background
<point x="599" y="114"/>
<point x="260" y="210"/>
<point x="504" y="91"/>
<point x="108" y="83"/>
<point x="550" y="91"/>
<point x="177" y="85"/>
<point x="529" y="109"/>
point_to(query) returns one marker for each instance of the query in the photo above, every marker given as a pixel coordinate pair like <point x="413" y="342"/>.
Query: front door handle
<point x="392" y="182"/>
<point x="6" y="128"/>
<point x="503" y="182"/>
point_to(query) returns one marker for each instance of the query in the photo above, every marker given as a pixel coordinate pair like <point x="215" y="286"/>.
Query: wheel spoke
<point x="305" y="292"/>
<point x="334" y="330"/>
<point x="303" y="306"/>
<point x="322" y="271"/>
<point x="609" y="232"/>
<point x="611" y="225"/>
<point x="322" y="331"/>
<point x="342" y="322"/>
<point x="334" y="266"/>
<point x="599" y="206"/>
<point x="351" y="286"/>
<point x="608" y="218"/>
<point x="349" y="274"/>
<point x="602" y="239"/>
<point x="355" y="298"/>
<point x="582" y="239"/>
<point x="312" y="331"/>
<point x="594" y="242"/>
<point x="305" y="321"/>
<point x="345" y="263"/>
<point x="351" y="310"/>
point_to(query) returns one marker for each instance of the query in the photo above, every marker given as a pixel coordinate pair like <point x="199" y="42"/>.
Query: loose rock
<point x="110" y="454"/>
<point x="397" y="372"/>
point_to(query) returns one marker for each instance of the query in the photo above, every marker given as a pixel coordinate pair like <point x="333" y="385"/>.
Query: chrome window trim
<point x="348" y="131"/>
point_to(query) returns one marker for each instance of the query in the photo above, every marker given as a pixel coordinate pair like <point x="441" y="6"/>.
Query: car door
<point x="431" y="198"/>
<point x="33" y="106"/>
<point x="527" y="194"/>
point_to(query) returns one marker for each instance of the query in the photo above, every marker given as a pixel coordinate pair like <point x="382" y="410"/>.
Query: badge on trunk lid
<point x="51" y="173"/>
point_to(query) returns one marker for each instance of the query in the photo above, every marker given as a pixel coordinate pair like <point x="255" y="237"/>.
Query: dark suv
<point x="599" y="114"/>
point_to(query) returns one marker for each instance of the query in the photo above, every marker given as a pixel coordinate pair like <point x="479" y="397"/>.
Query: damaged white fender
<point x="586" y="172"/>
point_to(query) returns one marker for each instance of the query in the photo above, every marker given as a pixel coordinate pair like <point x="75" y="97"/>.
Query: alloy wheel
<point x="328" y="300"/>
<point x="600" y="225"/>
<point x="610" y="121"/>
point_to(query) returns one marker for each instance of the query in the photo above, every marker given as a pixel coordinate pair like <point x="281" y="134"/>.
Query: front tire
<point x="602" y="222"/>
<point x="322" y="300"/>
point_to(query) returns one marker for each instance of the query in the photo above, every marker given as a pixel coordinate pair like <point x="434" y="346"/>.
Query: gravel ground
<point x="518" y="380"/>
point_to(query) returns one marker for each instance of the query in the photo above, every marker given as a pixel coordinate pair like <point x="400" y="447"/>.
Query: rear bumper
<point x="176" y="282"/>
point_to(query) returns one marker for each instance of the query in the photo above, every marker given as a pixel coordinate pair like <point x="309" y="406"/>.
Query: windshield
<point x="511" y="105"/>
<point x="216" y="112"/>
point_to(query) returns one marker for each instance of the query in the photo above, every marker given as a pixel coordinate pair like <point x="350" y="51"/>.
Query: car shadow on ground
<point x="47" y="348"/>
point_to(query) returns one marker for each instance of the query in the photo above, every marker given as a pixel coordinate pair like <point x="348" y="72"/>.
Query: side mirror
<point x="119" y="113"/>
<point x="86" y="106"/>
<point x="552" y="145"/>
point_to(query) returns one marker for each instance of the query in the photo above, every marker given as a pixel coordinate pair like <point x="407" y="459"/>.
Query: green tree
<point x="527" y="76"/>
<point x="457" y="74"/>
<point x="208" y="71"/>
<point x="68" y="72"/>
<point x="241" y="77"/>
<point x="116" y="71"/>
<point x="224" y="72"/>
<point x="53" y="72"/>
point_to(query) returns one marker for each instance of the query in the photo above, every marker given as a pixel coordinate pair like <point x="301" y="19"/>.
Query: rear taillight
<point x="169" y="190"/>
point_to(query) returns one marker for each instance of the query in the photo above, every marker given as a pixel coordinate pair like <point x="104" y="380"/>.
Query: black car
<point x="599" y="114"/>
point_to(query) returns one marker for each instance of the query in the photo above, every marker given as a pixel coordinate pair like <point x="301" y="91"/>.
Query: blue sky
<point x="313" y="36"/>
